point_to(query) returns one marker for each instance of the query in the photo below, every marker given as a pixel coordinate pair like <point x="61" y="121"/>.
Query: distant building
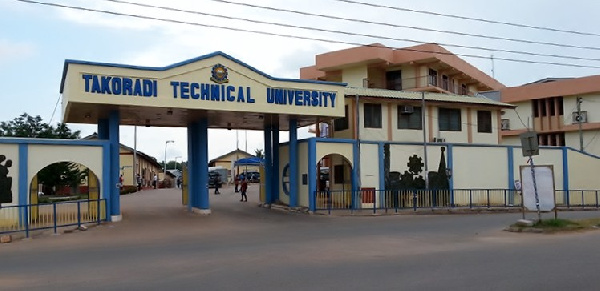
<point x="549" y="107"/>
<point x="226" y="161"/>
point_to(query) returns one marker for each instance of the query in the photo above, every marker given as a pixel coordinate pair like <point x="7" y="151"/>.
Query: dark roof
<point x="547" y="80"/>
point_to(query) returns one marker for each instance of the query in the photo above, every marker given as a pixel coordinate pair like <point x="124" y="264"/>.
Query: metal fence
<point x="396" y="200"/>
<point x="26" y="218"/>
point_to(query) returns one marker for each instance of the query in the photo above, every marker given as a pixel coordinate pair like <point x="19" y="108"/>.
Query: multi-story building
<point x="392" y="85"/>
<point x="564" y="112"/>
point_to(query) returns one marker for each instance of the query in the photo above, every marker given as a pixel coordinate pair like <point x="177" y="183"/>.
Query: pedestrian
<point x="236" y="182"/>
<point x="121" y="182"/>
<point x="179" y="182"/>
<point x="217" y="182"/>
<point x="155" y="181"/>
<point x="244" y="189"/>
<point x="138" y="179"/>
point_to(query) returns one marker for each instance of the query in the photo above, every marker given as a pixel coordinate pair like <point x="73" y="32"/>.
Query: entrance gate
<point x="211" y="91"/>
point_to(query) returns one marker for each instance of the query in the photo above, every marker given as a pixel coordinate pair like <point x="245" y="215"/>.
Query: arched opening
<point x="334" y="182"/>
<point x="63" y="193"/>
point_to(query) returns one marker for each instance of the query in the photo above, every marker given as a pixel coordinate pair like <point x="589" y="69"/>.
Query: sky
<point x="36" y="39"/>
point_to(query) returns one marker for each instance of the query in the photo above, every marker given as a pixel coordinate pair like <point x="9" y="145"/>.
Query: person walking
<point x="138" y="179"/>
<point x="244" y="189"/>
<point x="217" y="182"/>
<point x="155" y="181"/>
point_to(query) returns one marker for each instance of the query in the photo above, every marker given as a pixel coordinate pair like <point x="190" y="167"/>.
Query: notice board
<point x="544" y="182"/>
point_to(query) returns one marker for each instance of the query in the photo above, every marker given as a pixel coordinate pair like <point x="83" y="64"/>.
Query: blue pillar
<point x="381" y="167"/>
<point x="293" y="124"/>
<point x="198" y="166"/>
<point x="355" y="166"/>
<point x="565" y="174"/>
<point x="113" y="137"/>
<point x="275" y="170"/>
<point x="268" y="163"/>
<point x="450" y="163"/>
<point x="511" y="173"/>
<point x="102" y="128"/>
<point x="312" y="173"/>
<point x="192" y="183"/>
<point x="23" y="183"/>
<point x="105" y="186"/>
<point x="203" y="164"/>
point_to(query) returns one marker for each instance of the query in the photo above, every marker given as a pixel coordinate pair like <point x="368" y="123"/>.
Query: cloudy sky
<point x="35" y="40"/>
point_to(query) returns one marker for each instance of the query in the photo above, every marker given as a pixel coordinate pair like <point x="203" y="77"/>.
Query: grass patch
<point x="558" y="225"/>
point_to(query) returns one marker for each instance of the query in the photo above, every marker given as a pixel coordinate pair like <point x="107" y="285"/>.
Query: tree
<point x="54" y="175"/>
<point x="29" y="126"/>
<point x="259" y="153"/>
<point x="174" y="165"/>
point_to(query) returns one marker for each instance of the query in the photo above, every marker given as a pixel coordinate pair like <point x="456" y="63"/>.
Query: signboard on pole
<point x="543" y="182"/>
<point x="529" y="143"/>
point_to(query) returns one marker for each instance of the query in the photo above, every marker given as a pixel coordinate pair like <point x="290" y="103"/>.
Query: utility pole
<point x="579" y="119"/>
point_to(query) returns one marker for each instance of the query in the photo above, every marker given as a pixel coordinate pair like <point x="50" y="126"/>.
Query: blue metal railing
<point x="26" y="218"/>
<point x="395" y="200"/>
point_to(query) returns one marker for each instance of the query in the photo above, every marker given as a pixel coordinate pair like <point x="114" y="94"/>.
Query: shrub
<point x="128" y="189"/>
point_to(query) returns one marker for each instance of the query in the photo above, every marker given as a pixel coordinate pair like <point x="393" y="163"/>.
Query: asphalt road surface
<point x="160" y="246"/>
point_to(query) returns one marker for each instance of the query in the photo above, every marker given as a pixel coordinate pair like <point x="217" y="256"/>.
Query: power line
<point x="404" y="26"/>
<point x="348" y="33"/>
<point x="295" y="36"/>
<point x="472" y="18"/>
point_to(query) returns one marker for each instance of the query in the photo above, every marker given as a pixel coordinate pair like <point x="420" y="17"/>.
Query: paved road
<point x="159" y="246"/>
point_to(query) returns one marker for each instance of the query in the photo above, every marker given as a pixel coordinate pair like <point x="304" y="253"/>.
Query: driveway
<point x="159" y="246"/>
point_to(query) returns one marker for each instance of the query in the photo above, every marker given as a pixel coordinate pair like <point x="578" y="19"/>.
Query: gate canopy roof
<point x="226" y="91"/>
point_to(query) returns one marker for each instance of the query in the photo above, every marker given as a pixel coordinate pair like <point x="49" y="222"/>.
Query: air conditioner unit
<point x="439" y="139"/>
<point x="580" y="117"/>
<point x="407" y="109"/>
<point x="505" y="124"/>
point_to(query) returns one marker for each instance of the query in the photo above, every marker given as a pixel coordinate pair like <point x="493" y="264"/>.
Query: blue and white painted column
<point x="312" y="174"/>
<point x="268" y="142"/>
<point x="23" y="184"/>
<point x="355" y="173"/>
<point x="275" y="167"/>
<point x="293" y="168"/>
<point x="198" y="167"/>
<point x="109" y="129"/>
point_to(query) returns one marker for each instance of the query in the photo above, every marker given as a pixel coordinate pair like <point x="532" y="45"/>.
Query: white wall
<point x="354" y="76"/>
<point x="369" y="164"/>
<point x="480" y="167"/>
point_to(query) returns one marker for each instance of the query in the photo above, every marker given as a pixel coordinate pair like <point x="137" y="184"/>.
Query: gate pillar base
<point x="200" y="211"/>
<point x="116" y="218"/>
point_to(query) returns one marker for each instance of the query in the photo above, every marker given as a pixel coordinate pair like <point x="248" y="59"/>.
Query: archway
<point x="334" y="182"/>
<point x="65" y="193"/>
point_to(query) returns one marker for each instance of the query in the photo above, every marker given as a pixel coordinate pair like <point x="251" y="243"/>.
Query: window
<point x="393" y="80"/>
<point x="560" y="106"/>
<point x="408" y="120"/>
<point x="535" y="105"/>
<point x="432" y="77"/>
<point x="449" y="119"/>
<point x="463" y="89"/>
<point x="445" y="82"/>
<point x="341" y="123"/>
<point x="372" y="115"/>
<point x="484" y="121"/>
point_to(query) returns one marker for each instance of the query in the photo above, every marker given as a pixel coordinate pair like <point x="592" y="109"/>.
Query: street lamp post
<point x="165" y="162"/>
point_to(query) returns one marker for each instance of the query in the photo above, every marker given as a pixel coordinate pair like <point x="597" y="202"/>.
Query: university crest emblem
<point x="219" y="74"/>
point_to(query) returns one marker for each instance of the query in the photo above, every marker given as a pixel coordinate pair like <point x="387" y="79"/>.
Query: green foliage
<point x="174" y="165"/>
<point x="32" y="126"/>
<point x="554" y="223"/>
<point x="128" y="189"/>
<point x="59" y="175"/>
<point x="259" y="153"/>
